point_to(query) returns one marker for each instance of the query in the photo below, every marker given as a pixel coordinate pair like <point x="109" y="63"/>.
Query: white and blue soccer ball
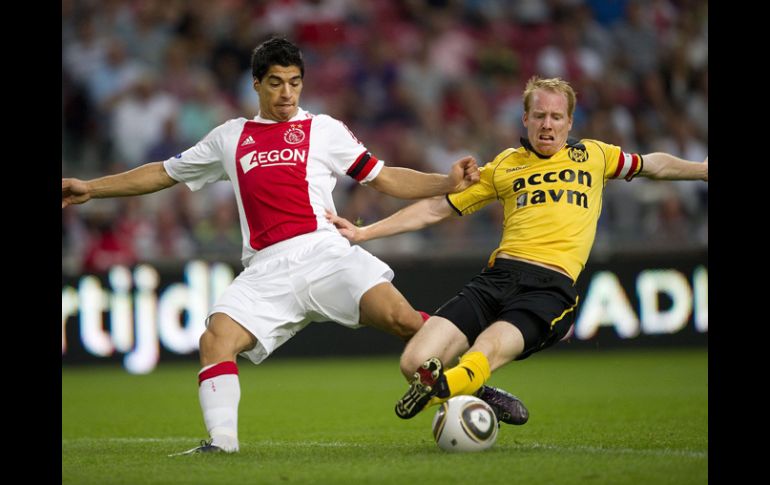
<point x="465" y="423"/>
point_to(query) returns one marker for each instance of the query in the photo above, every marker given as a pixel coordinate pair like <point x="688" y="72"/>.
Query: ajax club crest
<point x="294" y="135"/>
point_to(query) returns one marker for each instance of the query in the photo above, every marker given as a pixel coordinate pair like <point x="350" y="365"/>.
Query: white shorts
<point x="315" y="277"/>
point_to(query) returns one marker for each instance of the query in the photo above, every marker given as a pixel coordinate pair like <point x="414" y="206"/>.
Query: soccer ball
<point x="465" y="423"/>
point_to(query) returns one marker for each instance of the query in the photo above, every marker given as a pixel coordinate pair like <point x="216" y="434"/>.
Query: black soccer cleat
<point x="428" y="381"/>
<point x="205" y="447"/>
<point x="507" y="407"/>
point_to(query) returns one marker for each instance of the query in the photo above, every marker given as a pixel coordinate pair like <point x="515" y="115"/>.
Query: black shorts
<point x="538" y="301"/>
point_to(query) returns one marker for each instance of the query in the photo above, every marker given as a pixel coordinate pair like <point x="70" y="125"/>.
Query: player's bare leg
<point x="421" y="363"/>
<point x="384" y="307"/>
<point x="438" y="338"/>
<point x="223" y="340"/>
<point x="219" y="389"/>
<point x="501" y="342"/>
<point x="441" y="341"/>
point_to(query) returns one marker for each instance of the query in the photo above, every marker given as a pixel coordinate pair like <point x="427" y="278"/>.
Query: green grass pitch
<point x="609" y="417"/>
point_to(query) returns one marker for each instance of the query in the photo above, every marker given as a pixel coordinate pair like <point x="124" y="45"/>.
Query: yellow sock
<point x="467" y="377"/>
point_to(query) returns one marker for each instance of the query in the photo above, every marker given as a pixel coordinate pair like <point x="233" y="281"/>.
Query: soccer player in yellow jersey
<point x="524" y="301"/>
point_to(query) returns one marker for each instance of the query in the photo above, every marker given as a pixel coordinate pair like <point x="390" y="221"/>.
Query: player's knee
<point x="208" y="345"/>
<point x="217" y="347"/>
<point x="409" y="363"/>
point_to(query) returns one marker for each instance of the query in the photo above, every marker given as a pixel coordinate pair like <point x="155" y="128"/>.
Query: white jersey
<point x="283" y="173"/>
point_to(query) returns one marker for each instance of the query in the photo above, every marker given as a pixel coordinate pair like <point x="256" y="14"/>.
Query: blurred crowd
<point x="419" y="82"/>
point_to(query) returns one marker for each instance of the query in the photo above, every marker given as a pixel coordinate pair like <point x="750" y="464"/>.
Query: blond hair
<point x="553" y="84"/>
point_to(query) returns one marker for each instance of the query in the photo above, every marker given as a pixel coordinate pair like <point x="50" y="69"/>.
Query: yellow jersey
<point x="551" y="205"/>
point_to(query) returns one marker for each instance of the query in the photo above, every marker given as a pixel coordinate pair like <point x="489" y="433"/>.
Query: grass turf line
<point x="596" y="417"/>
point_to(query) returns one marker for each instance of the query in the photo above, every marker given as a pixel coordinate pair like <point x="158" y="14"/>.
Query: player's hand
<point x="706" y="163"/>
<point x="74" y="191"/>
<point x="463" y="174"/>
<point x="349" y="231"/>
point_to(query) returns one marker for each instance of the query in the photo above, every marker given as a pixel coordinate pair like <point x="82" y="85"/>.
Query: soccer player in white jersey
<point x="298" y="268"/>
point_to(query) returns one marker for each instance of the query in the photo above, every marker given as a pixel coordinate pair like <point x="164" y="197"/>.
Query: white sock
<point x="219" y="392"/>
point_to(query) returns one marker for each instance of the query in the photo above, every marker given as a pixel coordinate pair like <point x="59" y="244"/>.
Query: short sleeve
<point x="346" y="154"/>
<point x="477" y="195"/>
<point x="201" y="164"/>
<point x="621" y="164"/>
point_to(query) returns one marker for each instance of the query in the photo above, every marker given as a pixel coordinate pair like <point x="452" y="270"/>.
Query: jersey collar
<point x="571" y="143"/>
<point x="301" y="115"/>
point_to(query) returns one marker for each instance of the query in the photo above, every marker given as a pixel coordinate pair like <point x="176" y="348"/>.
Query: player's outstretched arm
<point x="406" y="183"/>
<point x="411" y="218"/>
<point x="146" y="179"/>
<point x="663" y="166"/>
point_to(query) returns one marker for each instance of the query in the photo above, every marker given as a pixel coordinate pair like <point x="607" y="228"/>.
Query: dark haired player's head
<point x="278" y="70"/>
<point x="273" y="52"/>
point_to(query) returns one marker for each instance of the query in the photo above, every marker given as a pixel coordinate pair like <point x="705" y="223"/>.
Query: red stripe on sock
<point x="220" y="369"/>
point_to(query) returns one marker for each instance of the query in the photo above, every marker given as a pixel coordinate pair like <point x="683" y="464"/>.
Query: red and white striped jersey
<point x="283" y="173"/>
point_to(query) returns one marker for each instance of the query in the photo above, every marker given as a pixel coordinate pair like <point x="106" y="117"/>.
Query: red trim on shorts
<point x="425" y="316"/>
<point x="220" y="369"/>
